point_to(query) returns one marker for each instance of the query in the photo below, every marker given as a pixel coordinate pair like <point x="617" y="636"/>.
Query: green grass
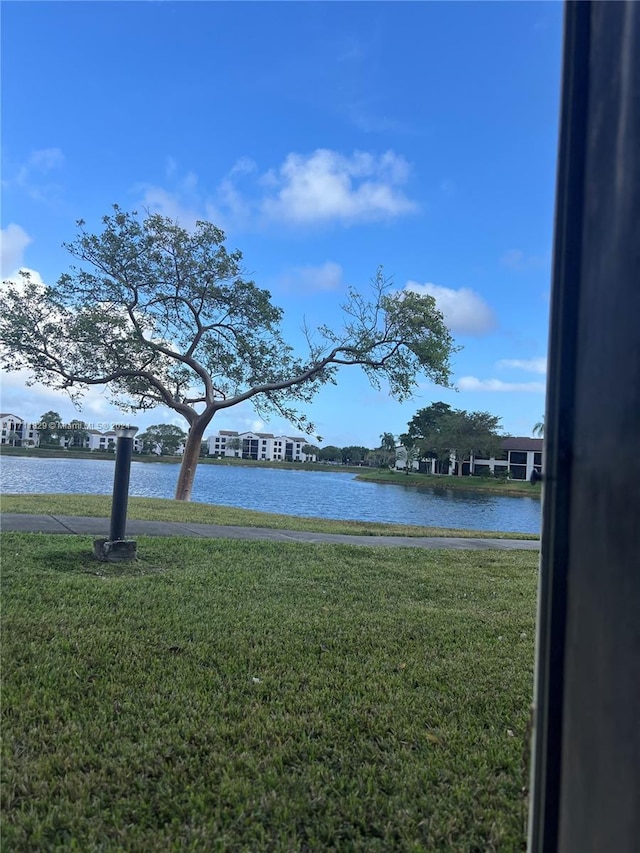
<point x="512" y="488"/>
<point x="242" y="696"/>
<point x="158" y="509"/>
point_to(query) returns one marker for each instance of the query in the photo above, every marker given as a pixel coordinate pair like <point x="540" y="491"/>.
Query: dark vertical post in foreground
<point x="117" y="547"/>
<point x="124" y="450"/>
<point x="586" y="751"/>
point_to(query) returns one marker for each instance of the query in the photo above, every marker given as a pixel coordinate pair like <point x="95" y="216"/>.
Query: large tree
<point x="163" y="439"/>
<point x="163" y="316"/>
<point x="330" y="453"/>
<point x="50" y="428"/>
<point x="440" y="431"/>
<point x="76" y="433"/>
<point x="431" y="432"/>
<point x="354" y="454"/>
<point x="473" y="434"/>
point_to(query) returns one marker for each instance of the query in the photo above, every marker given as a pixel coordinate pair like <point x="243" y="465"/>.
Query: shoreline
<point x="454" y="483"/>
<point x="165" y="509"/>
<point x="518" y="489"/>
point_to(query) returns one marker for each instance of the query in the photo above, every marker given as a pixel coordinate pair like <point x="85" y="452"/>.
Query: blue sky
<point x="325" y="139"/>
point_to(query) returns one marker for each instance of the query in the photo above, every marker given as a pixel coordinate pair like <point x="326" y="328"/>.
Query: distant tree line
<point x="436" y="432"/>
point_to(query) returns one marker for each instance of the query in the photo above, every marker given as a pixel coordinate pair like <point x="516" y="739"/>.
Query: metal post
<point x="124" y="448"/>
<point x="116" y="548"/>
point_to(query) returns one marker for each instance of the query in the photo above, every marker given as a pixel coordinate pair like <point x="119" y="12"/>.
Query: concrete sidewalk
<point x="82" y="526"/>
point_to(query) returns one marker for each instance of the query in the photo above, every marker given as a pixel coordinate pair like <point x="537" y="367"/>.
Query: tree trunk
<point x="190" y="459"/>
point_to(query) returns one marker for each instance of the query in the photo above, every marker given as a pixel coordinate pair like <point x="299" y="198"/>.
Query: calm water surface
<point x="317" y="494"/>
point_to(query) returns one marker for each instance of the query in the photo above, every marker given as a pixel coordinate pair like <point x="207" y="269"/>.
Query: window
<point x="518" y="457"/>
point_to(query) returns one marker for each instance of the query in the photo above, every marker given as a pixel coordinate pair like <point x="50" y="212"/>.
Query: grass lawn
<point x="159" y="509"/>
<point x="243" y="696"/>
<point x="512" y="488"/>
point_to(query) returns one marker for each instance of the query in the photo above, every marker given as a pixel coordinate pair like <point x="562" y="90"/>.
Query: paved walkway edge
<point x="84" y="526"/>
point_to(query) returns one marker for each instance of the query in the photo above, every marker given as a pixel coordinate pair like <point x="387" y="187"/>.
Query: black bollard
<point x="117" y="548"/>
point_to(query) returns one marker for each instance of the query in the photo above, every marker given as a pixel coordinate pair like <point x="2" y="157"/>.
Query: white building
<point x="107" y="441"/>
<point x="17" y="432"/>
<point x="261" y="446"/>
<point x="519" y="458"/>
<point x="20" y="433"/>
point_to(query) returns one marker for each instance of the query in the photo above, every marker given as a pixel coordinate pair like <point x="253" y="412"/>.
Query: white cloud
<point x="46" y="159"/>
<point x="243" y="166"/>
<point x="13" y="241"/>
<point x="516" y="259"/>
<point x="29" y="176"/>
<point x="327" y="276"/>
<point x="172" y="205"/>
<point x="465" y="311"/>
<point x="18" y="281"/>
<point x="305" y="189"/>
<point x="327" y="186"/>
<point x="170" y="167"/>
<point x="531" y="365"/>
<point x="472" y="383"/>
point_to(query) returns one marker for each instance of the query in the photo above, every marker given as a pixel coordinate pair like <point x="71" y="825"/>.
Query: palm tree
<point x="387" y="441"/>
<point x="538" y="429"/>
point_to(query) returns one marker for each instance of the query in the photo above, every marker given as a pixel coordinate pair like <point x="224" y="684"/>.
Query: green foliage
<point x="164" y="316"/>
<point x="388" y="442"/>
<point x="164" y="439"/>
<point x="439" y="430"/>
<point x="76" y="433"/>
<point x="538" y="429"/>
<point x="264" y="696"/>
<point x="354" y="454"/>
<point x="330" y="453"/>
<point x="50" y="428"/>
<point x="410" y="451"/>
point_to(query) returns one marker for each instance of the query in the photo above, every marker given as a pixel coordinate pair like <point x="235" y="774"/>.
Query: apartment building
<point x="97" y="440"/>
<point x="519" y="457"/>
<point x="261" y="446"/>
<point x="16" y="432"/>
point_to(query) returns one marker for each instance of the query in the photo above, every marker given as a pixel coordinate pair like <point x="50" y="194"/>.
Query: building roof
<point x="10" y="415"/>
<point x="515" y="442"/>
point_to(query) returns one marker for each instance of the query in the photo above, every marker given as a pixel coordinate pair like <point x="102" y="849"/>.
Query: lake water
<point x="317" y="494"/>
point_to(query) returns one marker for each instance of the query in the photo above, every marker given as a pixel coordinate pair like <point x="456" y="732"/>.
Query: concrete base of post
<point x="114" y="551"/>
